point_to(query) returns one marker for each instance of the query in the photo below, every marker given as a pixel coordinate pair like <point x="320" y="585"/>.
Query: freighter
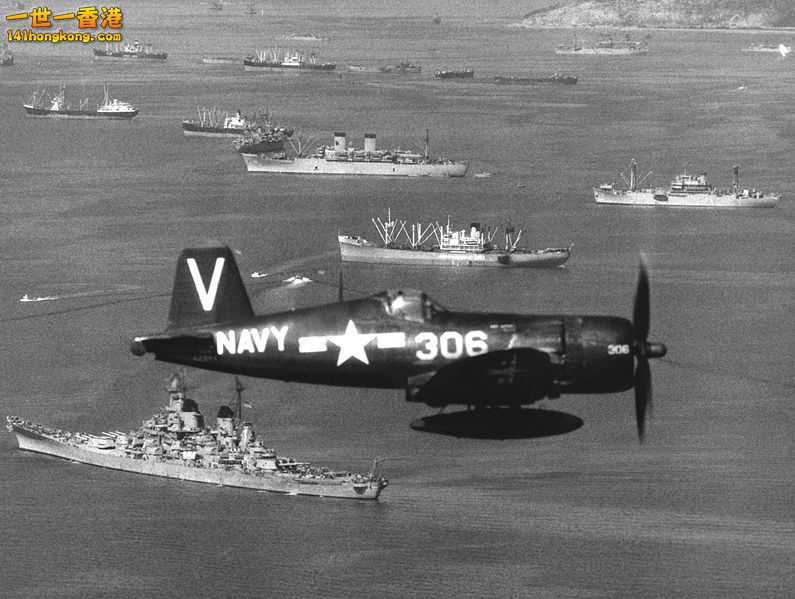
<point x="472" y="247"/>
<point x="342" y="160"/>
<point x="175" y="443"/>
<point x="685" y="190"/>
<point x="605" y="47"/>
<point x="59" y="106"/>
<point x="262" y="139"/>
<point x="555" y="78"/>
<point x="467" y="73"/>
<point x="274" y="59"/>
<point x="129" y="50"/>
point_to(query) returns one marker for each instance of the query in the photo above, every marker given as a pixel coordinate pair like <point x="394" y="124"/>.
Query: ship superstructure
<point x="176" y="443"/>
<point x="442" y="245"/>
<point x="685" y="190"/>
<point x="340" y="159"/>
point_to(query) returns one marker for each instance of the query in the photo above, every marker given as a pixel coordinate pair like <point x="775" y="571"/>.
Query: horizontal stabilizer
<point x="501" y="378"/>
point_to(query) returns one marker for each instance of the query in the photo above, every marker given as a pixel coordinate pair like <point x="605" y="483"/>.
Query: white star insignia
<point x="351" y="344"/>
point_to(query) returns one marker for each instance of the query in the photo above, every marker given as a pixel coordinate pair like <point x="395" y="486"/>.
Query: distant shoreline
<point x="657" y="28"/>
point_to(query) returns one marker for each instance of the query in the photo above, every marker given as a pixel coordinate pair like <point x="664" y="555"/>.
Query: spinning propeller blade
<point x="643" y="350"/>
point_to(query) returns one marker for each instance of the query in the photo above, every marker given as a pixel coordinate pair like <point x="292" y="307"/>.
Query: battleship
<point x="441" y="245"/>
<point x="58" y="106"/>
<point x="274" y="59"/>
<point x="467" y="73"/>
<point x="555" y="78"/>
<point x="685" y="190"/>
<point x="128" y="51"/>
<point x="604" y="47"/>
<point x="175" y="443"/>
<point x="342" y="160"/>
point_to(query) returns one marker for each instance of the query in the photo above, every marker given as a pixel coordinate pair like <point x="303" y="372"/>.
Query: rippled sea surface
<point x="95" y="213"/>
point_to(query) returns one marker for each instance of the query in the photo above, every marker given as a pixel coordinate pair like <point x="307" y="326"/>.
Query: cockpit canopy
<point x="409" y="304"/>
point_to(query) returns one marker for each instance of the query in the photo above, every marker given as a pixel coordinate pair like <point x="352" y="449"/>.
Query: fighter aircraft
<point x="401" y="338"/>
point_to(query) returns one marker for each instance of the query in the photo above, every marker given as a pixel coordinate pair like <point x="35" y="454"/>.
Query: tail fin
<point x="207" y="289"/>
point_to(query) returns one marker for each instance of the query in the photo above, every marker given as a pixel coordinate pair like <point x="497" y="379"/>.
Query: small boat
<point x="220" y="60"/>
<point x="402" y="68"/>
<point x="6" y="56"/>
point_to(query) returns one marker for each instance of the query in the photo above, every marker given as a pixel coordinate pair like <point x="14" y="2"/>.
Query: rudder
<point x="207" y="289"/>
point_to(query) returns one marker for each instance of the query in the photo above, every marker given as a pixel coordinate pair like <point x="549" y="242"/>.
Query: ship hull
<point x="86" y="114"/>
<point x="665" y="198"/>
<point x="352" y="250"/>
<point x="30" y="440"/>
<point x="190" y="129"/>
<point x="603" y="51"/>
<point x="251" y="65"/>
<point x="260" y="163"/>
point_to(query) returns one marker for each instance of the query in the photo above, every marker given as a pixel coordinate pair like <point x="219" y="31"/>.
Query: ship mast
<point x="239" y="388"/>
<point x="427" y="141"/>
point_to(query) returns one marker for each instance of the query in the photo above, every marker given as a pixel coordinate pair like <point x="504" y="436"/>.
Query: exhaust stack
<point x="369" y="142"/>
<point x="339" y="142"/>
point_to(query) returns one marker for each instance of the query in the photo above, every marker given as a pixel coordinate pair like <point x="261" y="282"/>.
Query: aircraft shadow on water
<point x="494" y="363"/>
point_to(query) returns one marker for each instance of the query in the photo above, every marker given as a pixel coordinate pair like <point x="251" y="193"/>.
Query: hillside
<point x="712" y="14"/>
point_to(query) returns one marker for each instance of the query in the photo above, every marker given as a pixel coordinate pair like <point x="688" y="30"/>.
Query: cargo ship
<point x="342" y="160"/>
<point x="175" y="443"/>
<point x="555" y="78"/>
<point x="441" y="245"/>
<point x="59" y="106"/>
<point x="211" y="124"/>
<point x="262" y="139"/>
<point x="467" y="73"/>
<point x="275" y="59"/>
<point x="684" y="190"/>
<point x="605" y="47"/>
<point x="133" y="50"/>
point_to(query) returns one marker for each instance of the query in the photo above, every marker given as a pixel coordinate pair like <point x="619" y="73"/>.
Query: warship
<point x="342" y="160"/>
<point x="684" y="190"/>
<point x="472" y="247"/>
<point x="262" y="139"/>
<point x="175" y="443"/>
<point x="555" y="78"/>
<point x="59" y="106"/>
<point x="127" y="51"/>
<point x="274" y="59"/>
<point x="605" y="47"/>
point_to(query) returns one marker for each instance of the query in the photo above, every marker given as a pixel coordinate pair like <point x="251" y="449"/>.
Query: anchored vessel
<point x="472" y="247"/>
<point x="764" y="47"/>
<point x="58" y="105"/>
<point x="128" y="50"/>
<point x="6" y="56"/>
<point x="402" y="68"/>
<point x="175" y="443"/>
<point x="467" y="73"/>
<point x="342" y="160"/>
<point x="605" y="47"/>
<point x="555" y="78"/>
<point x="220" y="60"/>
<point x="275" y="59"/>
<point x="685" y="190"/>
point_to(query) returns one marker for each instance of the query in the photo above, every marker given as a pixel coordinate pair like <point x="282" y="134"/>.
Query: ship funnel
<point x="339" y="142"/>
<point x="246" y="435"/>
<point x="225" y="420"/>
<point x="369" y="142"/>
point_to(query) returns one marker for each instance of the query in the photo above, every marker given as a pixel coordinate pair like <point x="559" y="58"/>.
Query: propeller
<point x="643" y="349"/>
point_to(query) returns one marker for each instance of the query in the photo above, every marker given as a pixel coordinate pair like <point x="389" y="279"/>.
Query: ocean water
<point x="95" y="214"/>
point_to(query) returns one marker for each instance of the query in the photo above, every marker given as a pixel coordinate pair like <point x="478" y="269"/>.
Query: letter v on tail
<point x="223" y="299"/>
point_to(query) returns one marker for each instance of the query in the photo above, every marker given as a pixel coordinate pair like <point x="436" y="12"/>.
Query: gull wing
<point x="501" y="378"/>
